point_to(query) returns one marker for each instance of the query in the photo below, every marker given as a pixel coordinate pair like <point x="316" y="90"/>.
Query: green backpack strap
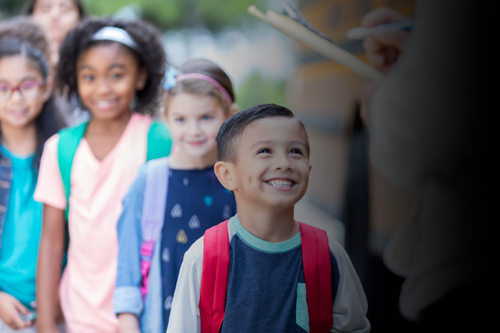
<point x="69" y="139"/>
<point x="159" y="141"/>
<point x="159" y="145"/>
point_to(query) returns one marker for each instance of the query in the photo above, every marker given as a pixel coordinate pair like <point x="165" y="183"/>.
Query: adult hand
<point x="11" y="310"/>
<point x="383" y="48"/>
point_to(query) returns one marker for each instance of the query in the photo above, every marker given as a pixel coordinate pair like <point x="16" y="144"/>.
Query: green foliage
<point x="174" y="14"/>
<point x="10" y="8"/>
<point x="167" y="14"/>
<point x="258" y="90"/>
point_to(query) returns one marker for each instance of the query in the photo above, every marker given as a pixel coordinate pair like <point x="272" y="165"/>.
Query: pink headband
<point x="208" y="79"/>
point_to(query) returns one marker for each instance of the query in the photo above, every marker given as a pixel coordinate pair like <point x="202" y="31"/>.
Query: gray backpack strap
<point x="153" y="213"/>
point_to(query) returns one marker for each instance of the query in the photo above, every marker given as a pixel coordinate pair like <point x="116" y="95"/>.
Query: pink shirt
<point x="97" y="190"/>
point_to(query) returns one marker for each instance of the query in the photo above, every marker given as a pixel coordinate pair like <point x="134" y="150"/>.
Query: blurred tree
<point x="257" y="89"/>
<point x="174" y="14"/>
<point x="214" y="15"/>
<point x="10" y="7"/>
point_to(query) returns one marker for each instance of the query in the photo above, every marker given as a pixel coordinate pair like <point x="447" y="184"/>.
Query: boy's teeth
<point x="282" y="183"/>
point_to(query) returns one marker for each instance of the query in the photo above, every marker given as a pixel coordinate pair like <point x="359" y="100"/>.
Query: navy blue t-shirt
<point x="196" y="201"/>
<point x="266" y="290"/>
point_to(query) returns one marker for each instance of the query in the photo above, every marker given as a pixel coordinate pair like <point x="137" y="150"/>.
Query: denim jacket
<point x="127" y="296"/>
<point x="5" y="183"/>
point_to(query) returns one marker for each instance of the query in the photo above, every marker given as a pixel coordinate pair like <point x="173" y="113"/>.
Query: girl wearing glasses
<point x="27" y="119"/>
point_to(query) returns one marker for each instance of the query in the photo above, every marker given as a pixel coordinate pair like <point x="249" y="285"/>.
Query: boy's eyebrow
<point x="267" y="142"/>
<point x="299" y="142"/>
<point x="262" y="142"/>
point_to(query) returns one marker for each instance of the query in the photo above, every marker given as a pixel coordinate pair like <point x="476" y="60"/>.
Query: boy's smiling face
<point x="272" y="164"/>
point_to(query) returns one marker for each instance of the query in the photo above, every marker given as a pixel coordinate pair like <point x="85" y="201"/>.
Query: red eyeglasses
<point x="29" y="90"/>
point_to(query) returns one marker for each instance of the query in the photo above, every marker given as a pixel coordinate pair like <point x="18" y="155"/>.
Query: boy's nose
<point x="282" y="162"/>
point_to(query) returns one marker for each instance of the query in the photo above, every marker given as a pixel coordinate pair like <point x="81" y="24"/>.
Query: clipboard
<point x="301" y="30"/>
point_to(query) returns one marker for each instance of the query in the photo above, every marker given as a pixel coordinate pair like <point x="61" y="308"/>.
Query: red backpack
<point x="317" y="275"/>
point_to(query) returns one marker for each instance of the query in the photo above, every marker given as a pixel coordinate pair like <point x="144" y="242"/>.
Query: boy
<point x="263" y="155"/>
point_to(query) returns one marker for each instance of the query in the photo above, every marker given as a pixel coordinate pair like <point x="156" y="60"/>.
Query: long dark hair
<point x="49" y="121"/>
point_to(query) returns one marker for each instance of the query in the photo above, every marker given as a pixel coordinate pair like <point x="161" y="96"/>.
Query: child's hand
<point x="128" y="323"/>
<point x="11" y="310"/>
<point x="383" y="48"/>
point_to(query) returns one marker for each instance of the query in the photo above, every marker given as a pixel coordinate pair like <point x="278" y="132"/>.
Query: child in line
<point x="115" y="69"/>
<point x="263" y="157"/>
<point x="199" y="99"/>
<point x="28" y="117"/>
<point x="57" y="17"/>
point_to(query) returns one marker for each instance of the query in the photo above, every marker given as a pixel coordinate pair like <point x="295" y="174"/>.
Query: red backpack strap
<point x="318" y="278"/>
<point x="214" y="278"/>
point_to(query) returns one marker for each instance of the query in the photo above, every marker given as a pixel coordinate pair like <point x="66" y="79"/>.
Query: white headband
<point x="116" y="35"/>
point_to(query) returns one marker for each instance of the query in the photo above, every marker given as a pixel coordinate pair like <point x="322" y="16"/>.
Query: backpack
<point x="153" y="214"/>
<point x="158" y="145"/>
<point x="317" y="275"/>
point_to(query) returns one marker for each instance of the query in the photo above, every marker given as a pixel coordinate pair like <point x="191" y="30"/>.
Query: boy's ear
<point x="142" y="77"/>
<point x="225" y="173"/>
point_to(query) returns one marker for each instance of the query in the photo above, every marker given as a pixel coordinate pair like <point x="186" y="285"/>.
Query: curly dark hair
<point x="151" y="57"/>
<point x="24" y="37"/>
<point x="30" y="6"/>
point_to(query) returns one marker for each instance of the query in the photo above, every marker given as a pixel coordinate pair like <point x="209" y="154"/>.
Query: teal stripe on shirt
<point x="302" y="311"/>
<point x="262" y="245"/>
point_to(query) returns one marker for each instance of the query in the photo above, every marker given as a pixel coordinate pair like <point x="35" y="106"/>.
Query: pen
<point x="363" y="32"/>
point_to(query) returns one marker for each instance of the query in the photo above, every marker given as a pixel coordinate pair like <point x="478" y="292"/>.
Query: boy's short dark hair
<point x="232" y="128"/>
<point x="150" y="56"/>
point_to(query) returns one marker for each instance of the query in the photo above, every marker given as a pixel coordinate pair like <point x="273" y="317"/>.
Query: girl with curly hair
<point x="28" y="117"/>
<point x="114" y="69"/>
